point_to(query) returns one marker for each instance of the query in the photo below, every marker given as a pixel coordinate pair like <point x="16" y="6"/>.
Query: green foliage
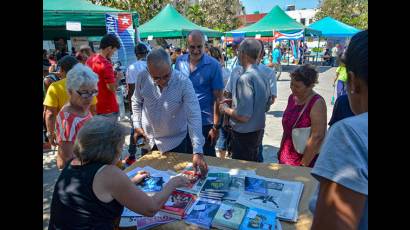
<point x="351" y="12"/>
<point x="196" y="14"/>
<point x="317" y="49"/>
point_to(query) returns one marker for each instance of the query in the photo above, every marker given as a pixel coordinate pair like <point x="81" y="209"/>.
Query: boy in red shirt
<point x="101" y="64"/>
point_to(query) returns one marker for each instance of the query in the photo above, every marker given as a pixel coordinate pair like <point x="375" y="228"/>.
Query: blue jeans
<point x="222" y="142"/>
<point x="340" y="88"/>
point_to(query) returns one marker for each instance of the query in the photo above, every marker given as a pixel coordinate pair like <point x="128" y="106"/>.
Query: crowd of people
<point x="191" y="103"/>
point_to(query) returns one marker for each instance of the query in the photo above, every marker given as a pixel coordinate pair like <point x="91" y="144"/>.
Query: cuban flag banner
<point x="286" y="36"/>
<point x="120" y="24"/>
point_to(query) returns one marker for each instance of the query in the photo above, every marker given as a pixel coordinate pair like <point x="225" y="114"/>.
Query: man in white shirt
<point x="141" y="51"/>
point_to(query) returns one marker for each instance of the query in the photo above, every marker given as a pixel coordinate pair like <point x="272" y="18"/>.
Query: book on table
<point x="202" y="212"/>
<point x="151" y="184"/>
<point x="283" y="198"/>
<point x="255" y="186"/>
<point x="216" y="185"/>
<point x="229" y="215"/>
<point x="257" y="218"/>
<point x="177" y="204"/>
<point x="196" y="183"/>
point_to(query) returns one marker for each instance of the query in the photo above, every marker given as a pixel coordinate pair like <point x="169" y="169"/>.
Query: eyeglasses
<point x="197" y="47"/>
<point x="87" y="94"/>
<point x="157" y="78"/>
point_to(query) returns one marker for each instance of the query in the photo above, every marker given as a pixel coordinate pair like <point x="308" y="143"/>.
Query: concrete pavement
<point x="271" y="140"/>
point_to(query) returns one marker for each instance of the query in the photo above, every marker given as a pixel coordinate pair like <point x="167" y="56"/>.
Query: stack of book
<point x="177" y="204"/>
<point x="216" y="186"/>
<point x="196" y="183"/>
<point x="203" y="212"/>
<point x="229" y="216"/>
<point x="256" y="218"/>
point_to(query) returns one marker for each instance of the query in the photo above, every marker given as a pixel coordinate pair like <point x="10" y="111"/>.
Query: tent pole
<point x="317" y="53"/>
<point x="288" y="50"/>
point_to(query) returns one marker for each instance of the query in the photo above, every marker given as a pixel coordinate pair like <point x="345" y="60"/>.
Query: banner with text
<point x="121" y="25"/>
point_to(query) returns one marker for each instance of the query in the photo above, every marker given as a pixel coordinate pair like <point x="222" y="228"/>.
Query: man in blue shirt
<point x="206" y="76"/>
<point x="276" y="56"/>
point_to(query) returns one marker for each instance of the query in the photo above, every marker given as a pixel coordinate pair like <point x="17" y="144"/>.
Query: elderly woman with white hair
<point x="91" y="191"/>
<point x="81" y="87"/>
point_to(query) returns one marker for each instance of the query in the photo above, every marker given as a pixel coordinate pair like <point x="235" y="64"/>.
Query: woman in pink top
<point x="303" y="79"/>
<point x="82" y="87"/>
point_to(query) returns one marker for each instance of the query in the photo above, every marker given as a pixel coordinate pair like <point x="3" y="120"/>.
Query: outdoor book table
<point x="177" y="162"/>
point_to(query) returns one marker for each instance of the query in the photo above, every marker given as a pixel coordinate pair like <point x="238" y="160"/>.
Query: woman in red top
<point x="82" y="87"/>
<point x="303" y="79"/>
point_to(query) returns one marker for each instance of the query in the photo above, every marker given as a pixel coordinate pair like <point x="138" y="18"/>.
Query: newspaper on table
<point x="143" y="222"/>
<point x="283" y="198"/>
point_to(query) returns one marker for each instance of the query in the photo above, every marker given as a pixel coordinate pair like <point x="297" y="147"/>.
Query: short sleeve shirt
<point x="342" y="73"/>
<point x="133" y="71"/>
<point x="250" y="98"/>
<point x="106" y="99"/>
<point x="271" y="77"/>
<point x="275" y="56"/>
<point x="343" y="158"/>
<point x="206" y="78"/>
<point x="68" y="125"/>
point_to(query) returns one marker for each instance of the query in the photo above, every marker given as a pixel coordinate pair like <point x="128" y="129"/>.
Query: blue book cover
<point x="151" y="184"/>
<point x="256" y="186"/>
<point x="203" y="212"/>
<point x="256" y="218"/>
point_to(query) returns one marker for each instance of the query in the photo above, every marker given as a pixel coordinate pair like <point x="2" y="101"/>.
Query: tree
<point x="196" y="14"/>
<point x="351" y="12"/>
<point x="221" y="14"/>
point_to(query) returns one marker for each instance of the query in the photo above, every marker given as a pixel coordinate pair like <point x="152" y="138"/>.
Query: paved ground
<point x="271" y="140"/>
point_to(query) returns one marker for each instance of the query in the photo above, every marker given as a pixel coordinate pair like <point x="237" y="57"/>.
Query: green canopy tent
<point x="92" y="17"/>
<point x="168" y="23"/>
<point x="276" y="20"/>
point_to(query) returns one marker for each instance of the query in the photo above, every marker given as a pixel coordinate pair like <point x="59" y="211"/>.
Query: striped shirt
<point x="68" y="125"/>
<point x="166" y="116"/>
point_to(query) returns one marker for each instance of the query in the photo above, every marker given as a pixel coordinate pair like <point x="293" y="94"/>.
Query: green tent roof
<point x="92" y="18"/>
<point x="276" y="20"/>
<point x="170" y="24"/>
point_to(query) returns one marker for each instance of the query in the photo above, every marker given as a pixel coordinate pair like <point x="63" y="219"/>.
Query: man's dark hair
<point x="67" y="62"/>
<point x="110" y="40"/>
<point x="356" y="56"/>
<point x="306" y="74"/>
<point x="263" y="48"/>
<point x="141" y="49"/>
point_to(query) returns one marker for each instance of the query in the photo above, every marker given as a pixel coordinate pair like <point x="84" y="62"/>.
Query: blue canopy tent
<point x="332" y="28"/>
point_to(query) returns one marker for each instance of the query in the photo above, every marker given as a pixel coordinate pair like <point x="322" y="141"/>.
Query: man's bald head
<point x="196" y="45"/>
<point x="196" y="34"/>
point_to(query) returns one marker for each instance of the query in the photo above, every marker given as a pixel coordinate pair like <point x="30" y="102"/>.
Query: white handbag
<point x="300" y="135"/>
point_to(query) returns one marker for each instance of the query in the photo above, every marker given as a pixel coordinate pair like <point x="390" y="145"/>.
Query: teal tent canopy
<point x="331" y="27"/>
<point x="169" y="23"/>
<point x="92" y="17"/>
<point x="276" y="20"/>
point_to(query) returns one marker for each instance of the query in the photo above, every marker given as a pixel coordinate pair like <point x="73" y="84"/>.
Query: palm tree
<point x="196" y="14"/>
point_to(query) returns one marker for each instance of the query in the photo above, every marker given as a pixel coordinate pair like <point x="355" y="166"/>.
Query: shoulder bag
<point x="301" y="135"/>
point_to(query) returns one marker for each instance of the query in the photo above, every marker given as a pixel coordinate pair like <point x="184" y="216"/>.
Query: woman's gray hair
<point x="159" y="57"/>
<point x="100" y="140"/>
<point x="80" y="75"/>
<point x="250" y="47"/>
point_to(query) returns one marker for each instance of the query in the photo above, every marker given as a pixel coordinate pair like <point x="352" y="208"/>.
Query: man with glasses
<point x="165" y="108"/>
<point x="206" y="76"/>
<point x="100" y="63"/>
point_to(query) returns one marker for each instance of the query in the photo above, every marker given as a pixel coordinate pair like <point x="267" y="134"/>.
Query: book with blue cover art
<point x="203" y="212"/>
<point x="151" y="184"/>
<point x="256" y="218"/>
<point x="256" y="186"/>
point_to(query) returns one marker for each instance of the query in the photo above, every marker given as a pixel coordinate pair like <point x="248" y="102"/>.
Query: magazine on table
<point x="283" y="198"/>
<point x="196" y="183"/>
<point x="236" y="188"/>
<point x="151" y="184"/>
<point x="177" y="204"/>
<point x="229" y="216"/>
<point x="256" y="186"/>
<point x="153" y="173"/>
<point x="256" y="218"/>
<point x="202" y="212"/>
<point x="144" y="222"/>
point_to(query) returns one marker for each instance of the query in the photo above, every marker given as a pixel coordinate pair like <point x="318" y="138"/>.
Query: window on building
<point x="303" y="21"/>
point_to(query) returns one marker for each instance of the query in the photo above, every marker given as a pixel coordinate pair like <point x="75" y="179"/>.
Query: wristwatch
<point x="216" y="126"/>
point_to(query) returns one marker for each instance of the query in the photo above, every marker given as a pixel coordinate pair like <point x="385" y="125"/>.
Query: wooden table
<point x="177" y="162"/>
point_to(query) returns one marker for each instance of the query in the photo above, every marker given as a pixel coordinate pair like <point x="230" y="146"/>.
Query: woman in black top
<point x="91" y="191"/>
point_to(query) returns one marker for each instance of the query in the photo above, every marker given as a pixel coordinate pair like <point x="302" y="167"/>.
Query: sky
<point x="264" y="6"/>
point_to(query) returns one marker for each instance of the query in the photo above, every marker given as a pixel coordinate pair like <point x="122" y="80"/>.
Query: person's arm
<point x="50" y="117"/>
<point x="337" y="207"/>
<point x="122" y="189"/>
<point x="65" y="153"/>
<point x="110" y="78"/>
<point x="318" y="117"/>
<point x="136" y="105"/>
<point x="193" y="111"/>
<point x="131" y="88"/>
